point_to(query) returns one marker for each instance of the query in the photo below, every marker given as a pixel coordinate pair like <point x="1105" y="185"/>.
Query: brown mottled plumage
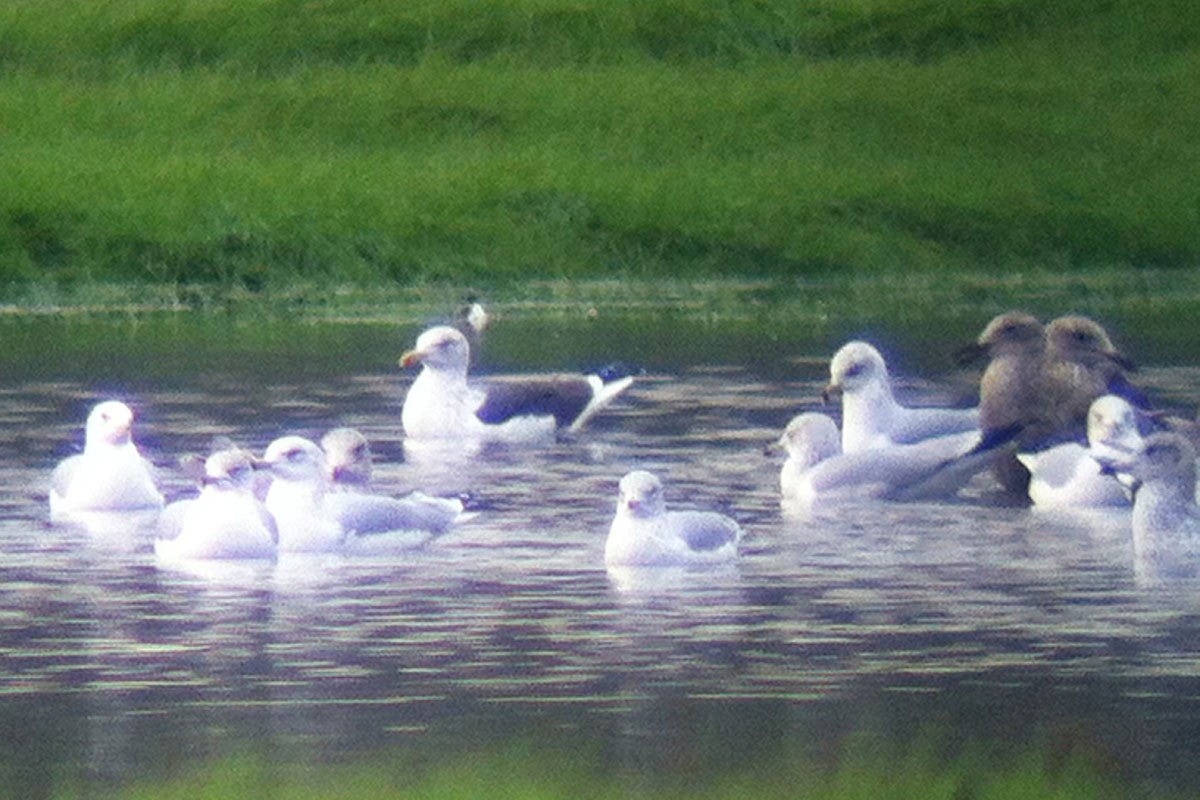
<point x="1041" y="381"/>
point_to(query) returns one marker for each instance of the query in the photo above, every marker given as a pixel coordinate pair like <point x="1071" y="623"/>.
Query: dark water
<point x="1000" y="624"/>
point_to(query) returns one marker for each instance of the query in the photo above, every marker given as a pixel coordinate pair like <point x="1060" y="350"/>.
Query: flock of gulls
<point x="1058" y="424"/>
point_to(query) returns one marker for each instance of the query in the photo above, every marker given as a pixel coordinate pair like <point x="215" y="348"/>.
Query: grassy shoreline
<point x="1103" y="293"/>
<point x="257" y="147"/>
<point x="678" y="320"/>
<point x="863" y="767"/>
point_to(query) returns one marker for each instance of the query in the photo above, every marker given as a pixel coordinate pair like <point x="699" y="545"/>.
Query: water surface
<point x="998" y="623"/>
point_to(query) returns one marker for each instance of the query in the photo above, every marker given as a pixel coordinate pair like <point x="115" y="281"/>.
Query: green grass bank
<point x="867" y="768"/>
<point x="214" y="146"/>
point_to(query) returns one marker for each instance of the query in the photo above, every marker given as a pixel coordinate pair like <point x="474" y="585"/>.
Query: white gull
<point x="1070" y="475"/>
<point x="348" y="457"/>
<point x="348" y="461"/>
<point x="808" y="440"/>
<point x="312" y="518"/>
<point x="1166" y="520"/>
<point x="817" y="470"/>
<point x="871" y="417"/>
<point x="442" y="405"/>
<point x="226" y="521"/>
<point x="645" y="533"/>
<point x="110" y="474"/>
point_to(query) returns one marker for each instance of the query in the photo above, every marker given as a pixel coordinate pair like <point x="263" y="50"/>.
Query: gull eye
<point x="1160" y="451"/>
<point x="855" y="370"/>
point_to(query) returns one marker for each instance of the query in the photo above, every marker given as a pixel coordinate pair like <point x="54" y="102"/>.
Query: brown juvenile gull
<point x="1011" y="392"/>
<point x="1082" y="364"/>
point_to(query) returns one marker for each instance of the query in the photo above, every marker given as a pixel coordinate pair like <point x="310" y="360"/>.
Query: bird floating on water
<point x="1040" y="382"/>
<point x="871" y="416"/>
<point x="645" y="533"/>
<point x="226" y="521"/>
<point x="817" y="470"/>
<point x="443" y="406"/>
<point x="1166" y="519"/>
<point x="312" y="518"/>
<point x="110" y="474"/>
<point x="1071" y="475"/>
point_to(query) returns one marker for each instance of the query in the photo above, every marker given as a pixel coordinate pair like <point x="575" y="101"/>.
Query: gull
<point x="226" y="521"/>
<point x="817" y="470"/>
<point x="312" y="518"/>
<point x="348" y="460"/>
<point x="644" y="533"/>
<point x="296" y="497"/>
<point x="1070" y="475"/>
<point x="443" y="406"/>
<point x="110" y="474"/>
<point x="1015" y="344"/>
<point x="472" y="319"/>
<point x="871" y="417"/>
<point x="348" y="456"/>
<point x="1166" y="520"/>
<point x="1083" y="364"/>
<point x="1041" y="381"/>
<point x="365" y="516"/>
<point x="1010" y="390"/>
<point x="808" y="439"/>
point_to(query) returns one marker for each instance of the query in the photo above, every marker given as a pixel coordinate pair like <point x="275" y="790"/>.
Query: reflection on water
<point x="997" y="621"/>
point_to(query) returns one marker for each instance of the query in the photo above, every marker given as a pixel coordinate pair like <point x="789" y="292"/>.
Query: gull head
<point x="1082" y="341"/>
<point x="231" y="470"/>
<point x="475" y="315"/>
<point x="440" y="348"/>
<point x="810" y="438"/>
<point x="1167" y="458"/>
<point x="294" y="458"/>
<point x="641" y="495"/>
<point x="1011" y="333"/>
<point x="855" y="367"/>
<point x="1112" y="425"/>
<point x="348" y="456"/>
<point x="109" y="424"/>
